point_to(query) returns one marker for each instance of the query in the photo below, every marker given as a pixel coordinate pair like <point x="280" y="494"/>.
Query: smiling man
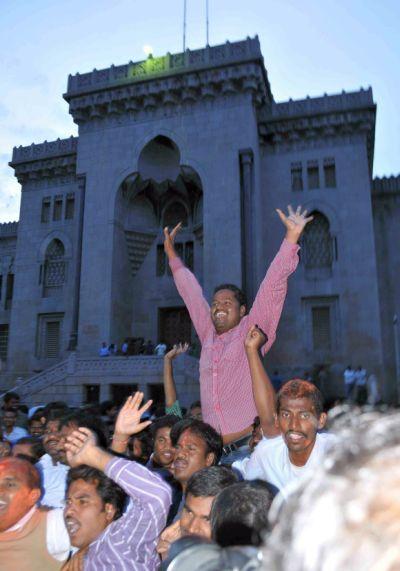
<point x="225" y="384"/>
<point x="300" y="447"/>
<point x="31" y="539"/>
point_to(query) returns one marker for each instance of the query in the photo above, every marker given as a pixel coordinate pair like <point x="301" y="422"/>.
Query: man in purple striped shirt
<point x="225" y="384"/>
<point x="105" y="542"/>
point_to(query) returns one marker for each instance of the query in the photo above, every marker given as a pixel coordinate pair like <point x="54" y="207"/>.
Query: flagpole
<point x="184" y="25"/>
<point x="207" y="42"/>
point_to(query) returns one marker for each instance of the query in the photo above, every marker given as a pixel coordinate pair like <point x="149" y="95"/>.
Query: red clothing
<point x="225" y="383"/>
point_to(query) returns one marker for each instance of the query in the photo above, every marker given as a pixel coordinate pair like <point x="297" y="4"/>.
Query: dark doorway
<point x="91" y="394"/>
<point x="156" y="394"/>
<point x="174" y="325"/>
<point x="119" y="393"/>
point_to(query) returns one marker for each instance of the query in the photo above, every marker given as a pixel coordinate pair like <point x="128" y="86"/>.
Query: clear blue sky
<point x="310" y="47"/>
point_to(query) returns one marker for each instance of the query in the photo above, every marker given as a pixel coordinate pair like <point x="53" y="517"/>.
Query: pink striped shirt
<point x="225" y="382"/>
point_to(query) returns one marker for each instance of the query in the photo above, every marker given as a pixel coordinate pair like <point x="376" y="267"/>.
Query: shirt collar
<point x="23" y="521"/>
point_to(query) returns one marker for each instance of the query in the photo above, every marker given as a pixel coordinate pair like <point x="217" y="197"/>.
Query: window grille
<point x="3" y="341"/>
<point x="317" y="243"/>
<point x="49" y="335"/>
<point x="321" y="328"/>
<point x="55" y="268"/>
<point x="296" y="170"/>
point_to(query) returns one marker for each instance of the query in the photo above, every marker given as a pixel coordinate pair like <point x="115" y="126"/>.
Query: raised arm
<point x="128" y="422"/>
<point x="263" y="391"/>
<point x="169" y="382"/>
<point x="187" y="286"/>
<point x="268" y="305"/>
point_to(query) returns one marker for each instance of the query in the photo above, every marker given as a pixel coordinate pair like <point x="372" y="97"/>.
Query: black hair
<point x="239" y="294"/>
<point x="195" y="404"/>
<point x="55" y="414"/>
<point x="168" y="420"/>
<point x="36" y="416"/>
<point x="239" y="514"/>
<point x="208" y="482"/>
<point x="95" y="424"/>
<point x="105" y="406"/>
<point x="108" y="490"/>
<point x="212" y="439"/>
<point x="36" y="445"/>
<point x="54" y="406"/>
<point x="145" y="438"/>
<point x="299" y="389"/>
<point x="11" y="395"/>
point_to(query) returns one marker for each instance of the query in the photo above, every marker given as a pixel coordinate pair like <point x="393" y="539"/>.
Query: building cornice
<point x="45" y="160"/>
<point x="324" y="117"/>
<point x="170" y="81"/>
<point x="8" y="229"/>
<point x="386" y="187"/>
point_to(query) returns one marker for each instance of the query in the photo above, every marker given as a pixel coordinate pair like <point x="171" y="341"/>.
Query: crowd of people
<point x="247" y="478"/>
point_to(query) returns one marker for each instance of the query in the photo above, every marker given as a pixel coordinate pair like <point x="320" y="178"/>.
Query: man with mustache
<point x="294" y="446"/>
<point x="225" y="384"/>
<point x="31" y="538"/>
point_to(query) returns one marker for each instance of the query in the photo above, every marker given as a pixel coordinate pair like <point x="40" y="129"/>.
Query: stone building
<point x="198" y="137"/>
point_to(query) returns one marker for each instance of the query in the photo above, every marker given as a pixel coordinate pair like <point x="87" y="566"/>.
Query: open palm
<point x="128" y="419"/>
<point x="294" y="222"/>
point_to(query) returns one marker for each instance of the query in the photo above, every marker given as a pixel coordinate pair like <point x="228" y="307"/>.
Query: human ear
<point x="242" y="310"/>
<point x="110" y="511"/>
<point x="34" y="496"/>
<point x="210" y="459"/>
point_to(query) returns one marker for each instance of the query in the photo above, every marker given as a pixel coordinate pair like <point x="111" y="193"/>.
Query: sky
<point x="310" y="47"/>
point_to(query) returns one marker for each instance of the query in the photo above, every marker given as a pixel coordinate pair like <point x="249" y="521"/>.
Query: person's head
<point x="141" y="446"/>
<point x="11" y="401"/>
<point x="256" y="433"/>
<point x="9" y="419"/>
<point x="195" y="410"/>
<point x="346" y="514"/>
<point x="163" y="450"/>
<point x="5" y="448"/>
<point x="109" y="408"/>
<point x="51" y="434"/>
<point x="19" y="490"/>
<point x="36" y="425"/>
<point x="75" y="420"/>
<point x="93" y="501"/>
<point x="197" y="445"/>
<point x="28" y="448"/>
<point x="239" y="515"/>
<point x="299" y="416"/>
<point x="228" y="306"/>
<point x="201" y="490"/>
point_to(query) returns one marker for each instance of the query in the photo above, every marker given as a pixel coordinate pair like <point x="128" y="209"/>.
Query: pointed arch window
<point x="317" y="243"/>
<point x="54" y="268"/>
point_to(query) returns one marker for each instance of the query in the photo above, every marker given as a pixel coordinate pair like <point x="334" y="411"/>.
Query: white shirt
<point x="349" y="376"/>
<point x="270" y="461"/>
<point x="57" y="539"/>
<point x="160" y="349"/>
<point x="54" y="478"/>
<point x="16" y="433"/>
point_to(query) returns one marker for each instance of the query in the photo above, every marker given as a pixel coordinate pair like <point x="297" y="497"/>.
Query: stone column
<point x="247" y="223"/>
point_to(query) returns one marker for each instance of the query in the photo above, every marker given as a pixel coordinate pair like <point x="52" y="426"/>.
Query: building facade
<point x="198" y="137"/>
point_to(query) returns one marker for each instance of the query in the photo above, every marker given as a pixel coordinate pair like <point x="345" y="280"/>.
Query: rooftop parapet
<point x="8" y="229"/>
<point x="35" y="152"/>
<point x="386" y="185"/>
<point x="170" y="64"/>
<point x="324" y="104"/>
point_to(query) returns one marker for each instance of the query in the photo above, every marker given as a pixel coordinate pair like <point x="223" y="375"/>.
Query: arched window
<point x="317" y="243"/>
<point x="54" y="268"/>
<point x="175" y="213"/>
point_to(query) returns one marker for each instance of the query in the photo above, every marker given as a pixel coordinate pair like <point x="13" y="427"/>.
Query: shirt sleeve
<point x="57" y="539"/>
<point x="147" y="489"/>
<point x="268" y="305"/>
<point x="174" y="409"/>
<point x="190" y="291"/>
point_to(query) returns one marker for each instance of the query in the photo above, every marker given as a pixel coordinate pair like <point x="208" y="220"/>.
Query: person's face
<point x="190" y="456"/>
<point x="16" y="497"/>
<point x="195" y="517"/>
<point x="25" y="449"/>
<point x="226" y="311"/>
<point x="36" y="428"/>
<point x="195" y="412"/>
<point x="51" y="438"/>
<point x="64" y="433"/>
<point x="9" y="419"/>
<point x="164" y="452"/>
<point x="12" y="404"/>
<point x="5" y="448"/>
<point x="85" y="514"/>
<point x="299" y="423"/>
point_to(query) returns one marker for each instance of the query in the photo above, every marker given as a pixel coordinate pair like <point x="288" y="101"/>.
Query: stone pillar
<point x="247" y="223"/>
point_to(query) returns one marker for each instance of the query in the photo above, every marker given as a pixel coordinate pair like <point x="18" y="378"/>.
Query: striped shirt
<point x="225" y="383"/>
<point x="130" y="541"/>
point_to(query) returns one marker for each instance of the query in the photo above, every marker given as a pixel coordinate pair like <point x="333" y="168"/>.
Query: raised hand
<point x="255" y="339"/>
<point x="80" y="447"/>
<point x="295" y="222"/>
<point x="169" y="240"/>
<point x="176" y="350"/>
<point x="128" y="419"/>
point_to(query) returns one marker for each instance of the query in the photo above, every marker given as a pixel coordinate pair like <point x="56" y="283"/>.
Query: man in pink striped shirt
<point x="225" y="383"/>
